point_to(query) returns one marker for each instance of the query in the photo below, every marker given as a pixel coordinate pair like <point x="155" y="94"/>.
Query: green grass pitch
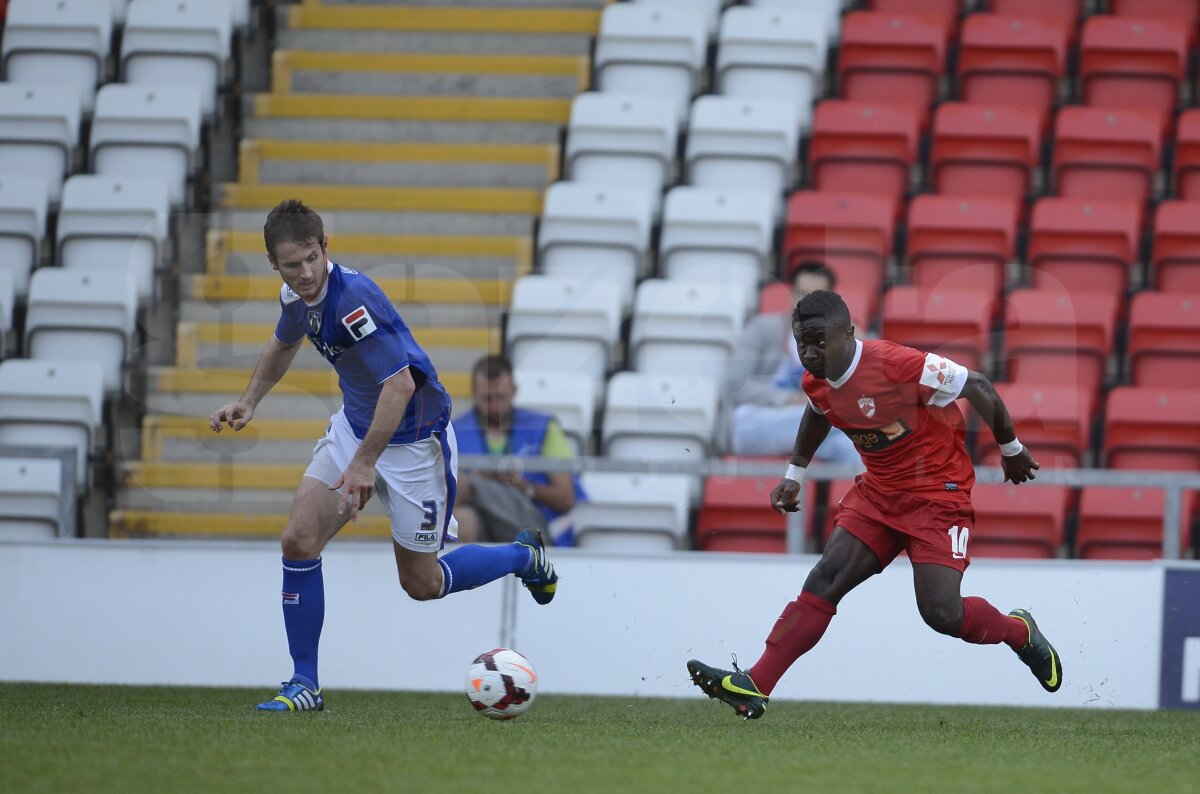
<point x="141" y="739"/>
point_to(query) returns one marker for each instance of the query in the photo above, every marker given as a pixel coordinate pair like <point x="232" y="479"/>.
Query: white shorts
<point x="416" y="482"/>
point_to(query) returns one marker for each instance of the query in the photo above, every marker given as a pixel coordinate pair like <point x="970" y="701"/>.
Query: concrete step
<point x="473" y="17"/>
<point x="381" y="256"/>
<point x="402" y="130"/>
<point x="460" y="291"/>
<point x="382" y="164"/>
<point x="332" y="40"/>
<point x="364" y="107"/>
<point x="181" y="439"/>
<point x="153" y="523"/>
<point x="388" y="198"/>
<point x="466" y="3"/>
<point x="383" y="221"/>
<point x="221" y="344"/>
<point x="417" y="315"/>
<point x="428" y="74"/>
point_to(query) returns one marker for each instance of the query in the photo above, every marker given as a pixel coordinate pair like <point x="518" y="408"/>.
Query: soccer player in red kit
<point x="897" y="405"/>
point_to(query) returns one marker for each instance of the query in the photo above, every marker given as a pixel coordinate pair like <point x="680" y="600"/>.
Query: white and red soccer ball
<point x="501" y="684"/>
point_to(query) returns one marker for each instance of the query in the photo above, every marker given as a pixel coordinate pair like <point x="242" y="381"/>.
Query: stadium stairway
<point x="425" y="134"/>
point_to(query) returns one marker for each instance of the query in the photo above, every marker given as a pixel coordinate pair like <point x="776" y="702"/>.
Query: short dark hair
<point x="814" y="267"/>
<point x="292" y="222"/>
<point x="822" y="305"/>
<point x="491" y="367"/>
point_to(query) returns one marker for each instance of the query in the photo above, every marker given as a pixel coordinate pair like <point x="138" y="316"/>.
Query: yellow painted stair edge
<point x="143" y="523"/>
<point x="538" y="110"/>
<point x="547" y="21"/>
<point x="485" y="292"/>
<point x="383" y="198"/>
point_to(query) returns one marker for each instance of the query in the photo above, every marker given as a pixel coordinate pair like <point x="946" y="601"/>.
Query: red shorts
<point x="930" y="530"/>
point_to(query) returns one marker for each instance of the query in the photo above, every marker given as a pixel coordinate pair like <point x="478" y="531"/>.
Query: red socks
<point x="797" y="630"/>
<point x="983" y="624"/>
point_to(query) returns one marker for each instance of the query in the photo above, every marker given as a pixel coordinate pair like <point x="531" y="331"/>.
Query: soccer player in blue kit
<point x="393" y="429"/>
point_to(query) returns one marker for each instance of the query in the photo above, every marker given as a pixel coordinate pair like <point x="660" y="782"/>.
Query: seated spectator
<point x="493" y="506"/>
<point x="763" y="384"/>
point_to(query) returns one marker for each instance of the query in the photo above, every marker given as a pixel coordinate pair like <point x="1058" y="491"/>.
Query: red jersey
<point x="897" y="405"/>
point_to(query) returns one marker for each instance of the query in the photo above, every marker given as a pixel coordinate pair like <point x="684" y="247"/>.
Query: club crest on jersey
<point x="867" y="406"/>
<point x="359" y="323"/>
<point x="313" y="317"/>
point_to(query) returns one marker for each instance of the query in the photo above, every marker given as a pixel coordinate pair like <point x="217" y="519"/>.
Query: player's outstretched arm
<point x="814" y="427"/>
<point x="274" y="361"/>
<point x="1016" y="460"/>
<point x="358" y="480"/>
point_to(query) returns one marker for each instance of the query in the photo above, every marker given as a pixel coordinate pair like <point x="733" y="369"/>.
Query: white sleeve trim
<point x="945" y="377"/>
<point x="394" y="374"/>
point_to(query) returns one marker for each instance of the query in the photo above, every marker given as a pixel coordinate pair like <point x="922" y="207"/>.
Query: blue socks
<point x="303" y="613"/>
<point x="468" y="567"/>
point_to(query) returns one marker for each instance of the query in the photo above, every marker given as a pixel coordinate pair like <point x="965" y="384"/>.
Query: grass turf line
<point x="57" y="738"/>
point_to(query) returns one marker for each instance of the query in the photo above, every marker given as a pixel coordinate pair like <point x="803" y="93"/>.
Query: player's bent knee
<point x="299" y="545"/>
<point x="944" y="618"/>
<point x="421" y="588"/>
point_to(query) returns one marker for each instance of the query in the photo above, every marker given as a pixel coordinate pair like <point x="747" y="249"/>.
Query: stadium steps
<point x="425" y="135"/>
<point x="174" y="523"/>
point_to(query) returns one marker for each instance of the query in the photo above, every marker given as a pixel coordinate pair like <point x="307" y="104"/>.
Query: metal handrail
<point x="1173" y="483"/>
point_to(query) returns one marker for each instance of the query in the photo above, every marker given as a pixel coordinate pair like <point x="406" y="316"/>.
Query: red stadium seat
<point x="1187" y="155"/>
<point x="1053" y="421"/>
<point x="1084" y="246"/>
<point x="1164" y="339"/>
<point x="1053" y="337"/>
<point x="946" y="12"/>
<point x="1133" y="63"/>
<point x="891" y="58"/>
<point x="1153" y="428"/>
<point x="1175" y="259"/>
<point x="984" y="150"/>
<point x="951" y="322"/>
<point x="863" y="147"/>
<point x="1012" y="521"/>
<point x="1066" y="12"/>
<point x="961" y="243"/>
<point x="1106" y="154"/>
<point x="1012" y="61"/>
<point x="736" y="515"/>
<point x="1126" y="523"/>
<point x="852" y="233"/>
<point x="775" y="298"/>
<point x="1186" y="12"/>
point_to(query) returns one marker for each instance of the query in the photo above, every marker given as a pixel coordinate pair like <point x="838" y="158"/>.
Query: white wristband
<point x="1012" y="448"/>
<point x="795" y="473"/>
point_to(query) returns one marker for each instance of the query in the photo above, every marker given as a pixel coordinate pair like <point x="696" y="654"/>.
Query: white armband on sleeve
<point x="945" y="377"/>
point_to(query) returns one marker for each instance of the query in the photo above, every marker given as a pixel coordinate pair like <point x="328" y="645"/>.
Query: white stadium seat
<point x="114" y="224"/>
<point x="8" y="299"/>
<point x="596" y="231"/>
<point x="772" y="54"/>
<point x="830" y="11"/>
<point x="718" y="236"/>
<point x="622" y="139"/>
<point x="74" y="315"/>
<point x="29" y="501"/>
<point x="651" y="49"/>
<point x="632" y="512"/>
<point x="744" y="144"/>
<point x="570" y="398"/>
<point x="52" y="404"/>
<point x="39" y="130"/>
<point x="709" y="10"/>
<point x="23" y="203"/>
<point x="178" y="42"/>
<point x="685" y="328"/>
<point x="141" y="129"/>
<point x="568" y="325"/>
<point x="659" y="417"/>
<point x="65" y="42"/>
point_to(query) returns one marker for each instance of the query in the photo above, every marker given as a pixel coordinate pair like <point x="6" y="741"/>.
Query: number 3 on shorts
<point x="431" y="514"/>
<point x="958" y="542"/>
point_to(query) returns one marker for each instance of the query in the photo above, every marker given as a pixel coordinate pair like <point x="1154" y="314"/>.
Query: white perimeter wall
<point x="209" y="614"/>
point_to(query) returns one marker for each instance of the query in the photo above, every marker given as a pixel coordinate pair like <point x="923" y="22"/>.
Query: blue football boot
<point x="299" y="694"/>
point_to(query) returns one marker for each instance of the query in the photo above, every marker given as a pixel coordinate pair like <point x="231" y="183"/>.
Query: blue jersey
<point x="356" y="328"/>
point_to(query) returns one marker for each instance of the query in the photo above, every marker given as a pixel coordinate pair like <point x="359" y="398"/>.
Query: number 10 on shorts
<point x="958" y="542"/>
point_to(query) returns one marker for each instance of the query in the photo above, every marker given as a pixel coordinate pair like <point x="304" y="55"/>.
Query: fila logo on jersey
<point x="359" y="323"/>
<point x="867" y="405"/>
